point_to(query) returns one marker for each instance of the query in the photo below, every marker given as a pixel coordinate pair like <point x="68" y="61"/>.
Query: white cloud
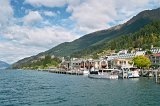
<point x="92" y="15"/>
<point x="22" y="41"/>
<point x="19" y="41"/>
<point x="11" y="52"/>
<point x="47" y="3"/>
<point x="32" y="17"/>
<point x="50" y="13"/>
<point x="45" y="37"/>
<point x="6" y="12"/>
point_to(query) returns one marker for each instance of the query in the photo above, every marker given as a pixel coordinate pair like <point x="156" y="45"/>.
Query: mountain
<point x="94" y="41"/>
<point x="143" y="38"/>
<point x="3" y="65"/>
<point x="137" y="22"/>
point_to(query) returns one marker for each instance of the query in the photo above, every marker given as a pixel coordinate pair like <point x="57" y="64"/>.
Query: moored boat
<point x="129" y="72"/>
<point x="104" y="74"/>
<point x="85" y="72"/>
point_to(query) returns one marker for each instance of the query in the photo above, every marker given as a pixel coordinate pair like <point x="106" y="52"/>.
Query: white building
<point x="155" y="50"/>
<point x="123" y="59"/>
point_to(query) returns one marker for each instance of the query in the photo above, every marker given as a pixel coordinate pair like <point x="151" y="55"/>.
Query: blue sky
<point x="28" y="27"/>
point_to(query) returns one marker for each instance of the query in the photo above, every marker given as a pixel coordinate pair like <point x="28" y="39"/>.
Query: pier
<point x="62" y="71"/>
<point x="157" y="75"/>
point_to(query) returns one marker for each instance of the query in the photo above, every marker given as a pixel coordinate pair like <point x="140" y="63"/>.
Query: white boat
<point x="104" y="74"/>
<point x="85" y="72"/>
<point x="129" y="72"/>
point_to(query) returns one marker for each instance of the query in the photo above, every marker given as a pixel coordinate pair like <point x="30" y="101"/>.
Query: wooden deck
<point x="60" y="71"/>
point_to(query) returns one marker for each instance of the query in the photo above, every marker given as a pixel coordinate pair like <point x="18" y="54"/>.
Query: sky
<point x="28" y="27"/>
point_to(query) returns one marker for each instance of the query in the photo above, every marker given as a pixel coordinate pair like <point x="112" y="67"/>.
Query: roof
<point x="156" y="54"/>
<point x="155" y="50"/>
<point x="124" y="56"/>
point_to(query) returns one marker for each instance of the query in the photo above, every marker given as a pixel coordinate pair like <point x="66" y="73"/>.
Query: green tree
<point x="148" y="52"/>
<point x="141" y="61"/>
<point x="46" y="60"/>
<point x="95" y="56"/>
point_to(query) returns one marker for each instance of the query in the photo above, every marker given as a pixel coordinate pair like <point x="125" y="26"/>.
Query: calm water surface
<point x="33" y="88"/>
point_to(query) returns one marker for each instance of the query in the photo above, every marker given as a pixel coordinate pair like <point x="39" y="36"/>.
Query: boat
<point x="85" y="72"/>
<point x="104" y="74"/>
<point x="129" y="72"/>
<point x="147" y="73"/>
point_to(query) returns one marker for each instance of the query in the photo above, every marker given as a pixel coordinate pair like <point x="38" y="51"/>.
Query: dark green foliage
<point x="148" y="52"/>
<point x="97" y="39"/>
<point x="40" y="63"/>
<point x="46" y="60"/>
<point x="95" y="56"/>
<point x="144" y="38"/>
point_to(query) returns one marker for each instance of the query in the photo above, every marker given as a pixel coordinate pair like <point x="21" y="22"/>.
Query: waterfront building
<point x="115" y="60"/>
<point x="84" y="64"/>
<point x="123" y="62"/>
<point x="155" y="59"/>
<point x="122" y="52"/>
<point x="122" y="59"/>
<point x="73" y="64"/>
<point x="100" y="64"/>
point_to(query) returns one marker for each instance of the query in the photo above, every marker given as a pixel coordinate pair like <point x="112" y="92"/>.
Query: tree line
<point x="144" y="38"/>
<point x="40" y="63"/>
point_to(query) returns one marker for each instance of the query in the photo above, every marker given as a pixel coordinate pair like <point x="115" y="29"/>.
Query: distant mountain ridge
<point x="3" y="65"/>
<point x="143" y="38"/>
<point x="98" y="38"/>
<point x="137" y="22"/>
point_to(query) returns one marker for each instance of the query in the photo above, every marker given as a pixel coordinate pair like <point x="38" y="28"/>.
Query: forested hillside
<point x="144" y="38"/>
<point x="99" y="37"/>
<point x="41" y="63"/>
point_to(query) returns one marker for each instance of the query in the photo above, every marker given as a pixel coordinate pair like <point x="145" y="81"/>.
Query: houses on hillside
<point x="115" y="60"/>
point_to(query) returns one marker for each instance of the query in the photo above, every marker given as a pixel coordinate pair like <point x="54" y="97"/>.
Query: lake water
<point x="33" y="88"/>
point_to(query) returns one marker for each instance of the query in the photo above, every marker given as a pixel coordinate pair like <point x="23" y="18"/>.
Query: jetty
<point x="62" y="71"/>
